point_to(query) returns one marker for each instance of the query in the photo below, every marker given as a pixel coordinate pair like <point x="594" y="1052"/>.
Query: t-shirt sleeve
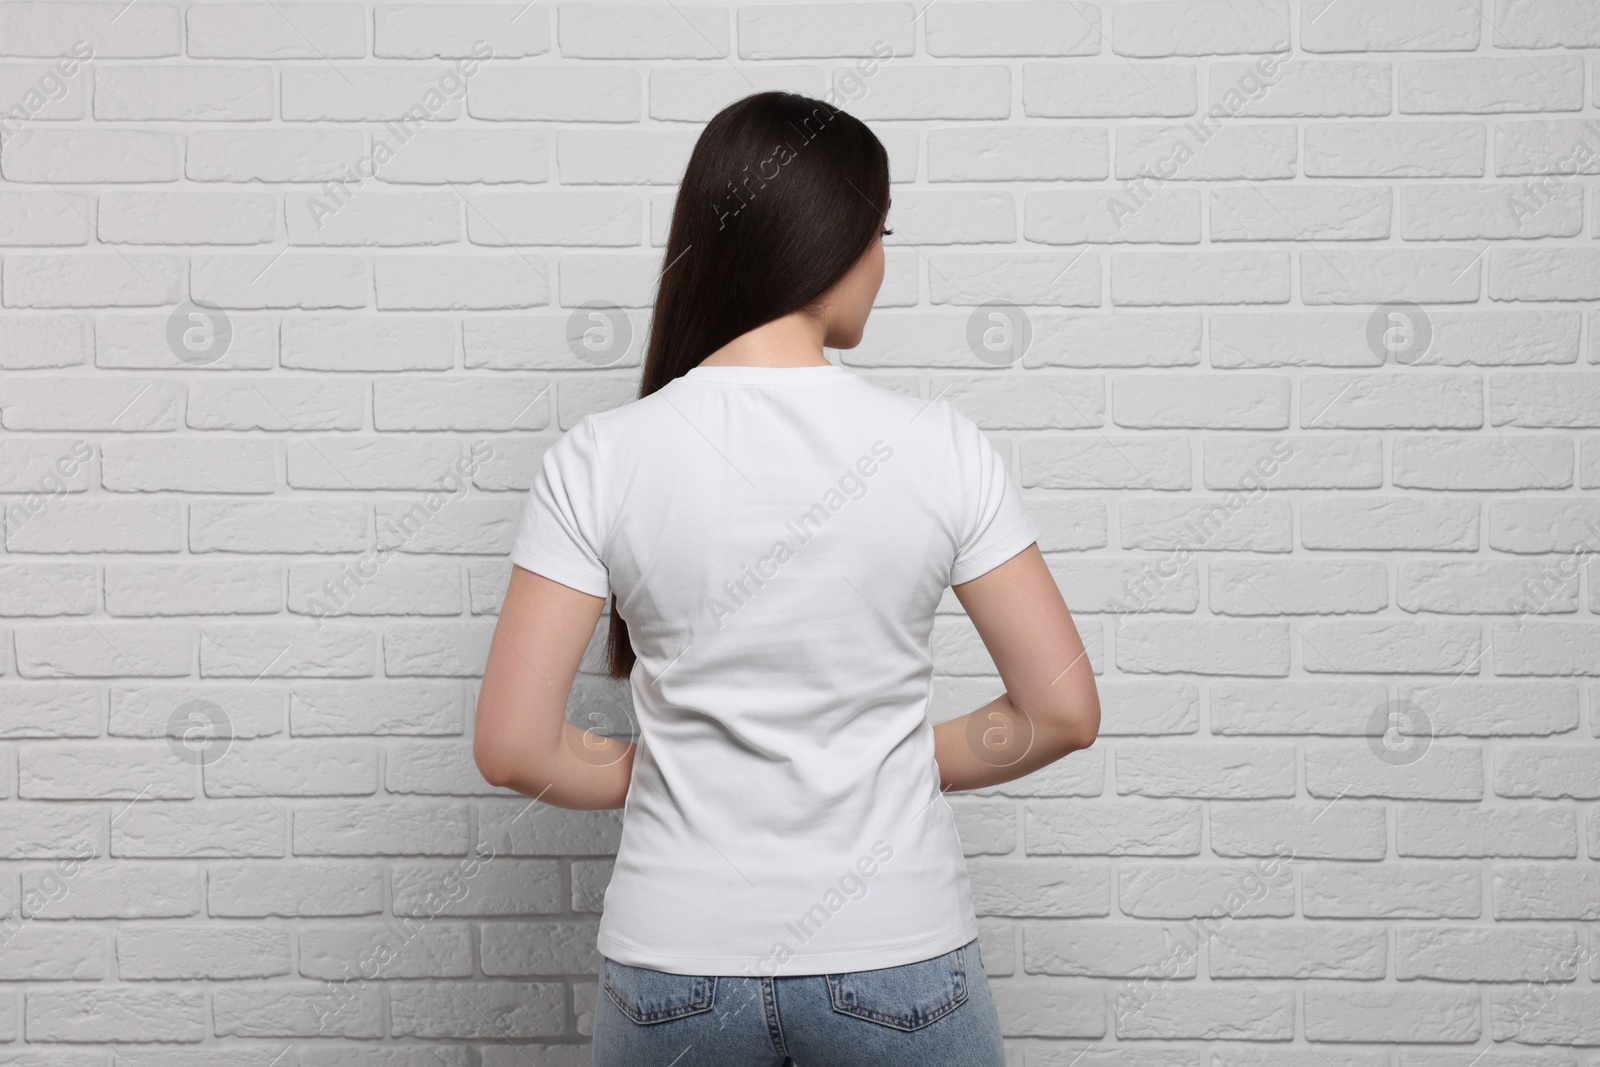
<point x="562" y="521"/>
<point x="993" y="524"/>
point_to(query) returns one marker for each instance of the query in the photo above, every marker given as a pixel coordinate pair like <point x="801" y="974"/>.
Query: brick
<point x="289" y="768"/>
<point x="1207" y="891"/>
<point x="298" y="1010"/>
<point x="1014" y="29"/>
<point x="1018" y="153"/>
<point x="1391" y="891"/>
<point x="1312" y="213"/>
<point x="514" y="949"/>
<point x="1262" y="587"/>
<point x="488" y="1010"/>
<point x="122" y="1014"/>
<point x="1058" y="1008"/>
<point x="1384" y="646"/>
<point x="1530" y="24"/>
<point x="1419" y="149"/>
<point x="1068" y="90"/>
<point x="283" y="281"/>
<point x="1341" y="276"/>
<point x="1206" y="771"/>
<point x="38" y="341"/>
<point x="1039" y="888"/>
<point x="1484" y="709"/>
<point x="380" y="828"/>
<point x="184" y="94"/>
<point x="1213" y="1014"/>
<point x="40" y="219"/>
<point x="1546" y="648"/>
<point x="272" y="155"/>
<point x="1543" y="400"/>
<point x="1211" y="647"/>
<point x="689" y="94"/>
<point x="1462" y="587"/>
<point x="386" y="219"/>
<point x="1374" y="26"/>
<point x="481" y="887"/>
<point x="90" y="280"/>
<point x="1553" y="1016"/>
<point x="449" y="31"/>
<point x="1077" y="463"/>
<point x="324" y="31"/>
<point x="39" y="953"/>
<point x="396" y="949"/>
<point x="1065" y="828"/>
<point x="1455" y="830"/>
<point x="1428" y="461"/>
<point x="436" y="155"/>
<point x="76" y="771"/>
<point x="1494" y="211"/>
<point x="1302" y="88"/>
<point x="120" y="890"/>
<point x="334" y="708"/>
<point x="1545" y="891"/>
<point x="1058" y="280"/>
<point x="1317" y="950"/>
<point x="1231" y="522"/>
<point x="416" y="282"/>
<point x="201" y="952"/>
<point x="1544" y="274"/>
<point x="1241" y="402"/>
<point x="1475" y="954"/>
<point x="1286" y="461"/>
<point x="1341" y="831"/>
<point x="244" y="828"/>
<point x="1074" y="216"/>
<point x="1392" y="1015"/>
<point x="1537" y="526"/>
<point x="1240" y="151"/>
<point x="1211" y="27"/>
<point x="1104" y="950"/>
<point x="128" y="217"/>
<point x="104" y="650"/>
<point x="601" y="94"/>
<point x="1442" y="773"/>
<point x="1338" y="338"/>
<point x="1491" y="86"/>
<point x="51" y="29"/>
<point x="323" y="888"/>
<point x="1391" y="522"/>
<point x="1154" y="278"/>
<point x="803" y="31"/>
<point x="1546" y="771"/>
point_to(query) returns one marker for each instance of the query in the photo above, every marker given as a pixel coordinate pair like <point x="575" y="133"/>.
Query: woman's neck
<point x="795" y="340"/>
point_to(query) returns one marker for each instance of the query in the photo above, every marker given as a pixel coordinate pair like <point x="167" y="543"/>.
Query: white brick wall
<point x="1200" y="248"/>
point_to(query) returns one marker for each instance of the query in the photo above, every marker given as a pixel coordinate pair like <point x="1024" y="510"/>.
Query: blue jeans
<point x="936" y="1013"/>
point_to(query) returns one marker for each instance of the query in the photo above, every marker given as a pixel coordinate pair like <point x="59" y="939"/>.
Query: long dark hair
<point x="782" y="195"/>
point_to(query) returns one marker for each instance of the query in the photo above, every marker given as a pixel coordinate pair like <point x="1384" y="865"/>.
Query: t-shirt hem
<point x="750" y="966"/>
<point x="559" y="572"/>
<point x="1004" y="549"/>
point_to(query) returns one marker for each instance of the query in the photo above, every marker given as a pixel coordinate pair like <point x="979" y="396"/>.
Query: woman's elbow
<point x="492" y="764"/>
<point x="1081" y="725"/>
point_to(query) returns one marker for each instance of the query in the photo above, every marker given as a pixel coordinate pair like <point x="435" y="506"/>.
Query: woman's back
<point x="777" y="540"/>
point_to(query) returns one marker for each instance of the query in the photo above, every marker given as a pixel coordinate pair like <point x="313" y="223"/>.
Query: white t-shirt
<point x="777" y="540"/>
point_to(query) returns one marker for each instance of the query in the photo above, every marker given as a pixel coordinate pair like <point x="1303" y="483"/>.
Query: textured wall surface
<point x="1295" y="353"/>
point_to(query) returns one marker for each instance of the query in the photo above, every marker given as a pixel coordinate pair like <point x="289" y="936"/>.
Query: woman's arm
<point x="1050" y="706"/>
<point x="522" y="740"/>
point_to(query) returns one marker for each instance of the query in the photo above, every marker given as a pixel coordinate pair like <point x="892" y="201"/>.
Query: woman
<point x="777" y="533"/>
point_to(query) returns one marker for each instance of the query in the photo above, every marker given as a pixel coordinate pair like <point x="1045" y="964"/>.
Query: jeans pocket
<point x="907" y="997"/>
<point x="647" y="996"/>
